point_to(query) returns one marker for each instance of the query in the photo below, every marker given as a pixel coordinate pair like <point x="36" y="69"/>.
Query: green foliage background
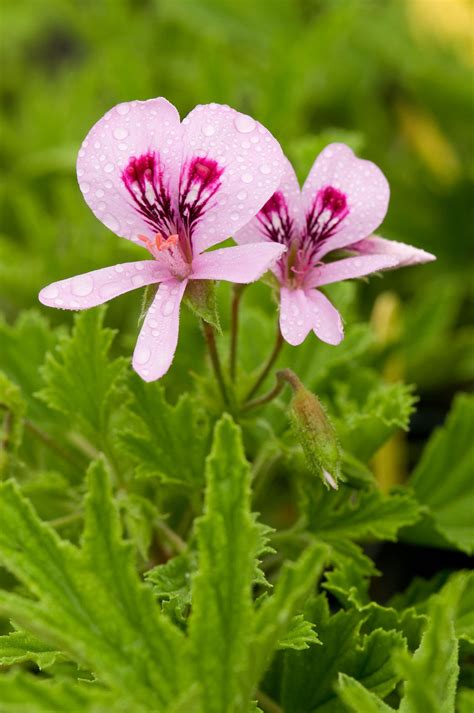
<point x="392" y="78"/>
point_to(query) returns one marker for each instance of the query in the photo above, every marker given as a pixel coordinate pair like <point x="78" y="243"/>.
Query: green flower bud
<point x="314" y="431"/>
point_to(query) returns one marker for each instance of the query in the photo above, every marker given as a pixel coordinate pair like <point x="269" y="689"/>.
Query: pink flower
<point x="343" y="200"/>
<point x="177" y="189"/>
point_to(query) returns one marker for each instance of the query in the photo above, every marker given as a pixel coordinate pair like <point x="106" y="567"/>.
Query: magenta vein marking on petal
<point x="198" y="183"/>
<point x="144" y="180"/>
<point x="275" y="221"/>
<point x="328" y="210"/>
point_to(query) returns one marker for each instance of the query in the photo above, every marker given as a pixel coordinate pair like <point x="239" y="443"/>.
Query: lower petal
<point x="404" y="255"/>
<point x="95" y="288"/>
<point x="243" y="263"/>
<point x="295" y="316"/>
<point x="158" y="338"/>
<point x="326" y="321"/>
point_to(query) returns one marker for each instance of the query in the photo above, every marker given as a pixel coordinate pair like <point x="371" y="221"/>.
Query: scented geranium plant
<point x="215" y="541"/>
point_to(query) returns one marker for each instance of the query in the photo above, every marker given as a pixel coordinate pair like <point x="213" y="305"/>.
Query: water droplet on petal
<point x="234" y="216"/>
<point x="137" y="280"/>
<point x="167" y="308"/>
<point x="82" y="286"/>
<point x="109" y="167"/>
<point x="208" y="130"/>
<point x="142" y="355"/>
<point x="80" y="172"/>
<point x="123" y="109"/>
<point x="241" y="195"/>
<point x="120" y="133"/>
<point x="265" y="169"/>
<point x="244" y="124"/>
<point x="99" y="193"/>
<point x="118" y="268"/>
<point x="85" y="187"/>
<point x="247" y="177"/>
<point x="139" y="266"/>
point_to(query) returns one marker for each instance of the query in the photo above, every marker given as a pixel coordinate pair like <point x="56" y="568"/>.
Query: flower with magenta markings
<point x="177" y="189"/>
<point x="343" y="200"/>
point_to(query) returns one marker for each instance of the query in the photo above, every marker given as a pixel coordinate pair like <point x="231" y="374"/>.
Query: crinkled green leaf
<point x="80" y="377"/>
<point x="23" y="693"/>
<point x="165" y="440"/>
<point x="89" y="602"/>
<point x="357" y="699"/>
<point x="172" y="583"/>
<point x="370" y="411"/>
<point x="221" y="623"/>
<point x="12" y="410"/>
<point x="300" y="635"/>
<point x="359" y="515"/>
<point x="435" y="663"/>
<point x="309" y="676"/>
<point x="20" y="646"/>
<point x="443" y="482"/>
<point x="23" y="349"/>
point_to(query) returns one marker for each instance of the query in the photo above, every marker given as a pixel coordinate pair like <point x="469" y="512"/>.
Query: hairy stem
<point x="266" y="369"/>
<point x="265" y="399"/>
<point x="234" y="331"/>
<point x="173" y="538"/>
<point x="215" y="360"/>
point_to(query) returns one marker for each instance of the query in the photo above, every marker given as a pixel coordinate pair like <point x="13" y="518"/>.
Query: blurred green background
<point x="393" y="78"/>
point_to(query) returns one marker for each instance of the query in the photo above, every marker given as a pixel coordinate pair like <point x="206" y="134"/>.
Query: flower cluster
<point x="180" y="188"/>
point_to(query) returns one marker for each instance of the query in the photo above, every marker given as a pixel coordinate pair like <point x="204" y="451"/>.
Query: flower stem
<point x="266" y="369"/>
<point x="173" y="538"/>
<point x="215" y="360"/>
<point x="51" y="443"/>
<point x="267" y="704"/>
<point x="234" y="334"/>
<point x="262" y="400"/>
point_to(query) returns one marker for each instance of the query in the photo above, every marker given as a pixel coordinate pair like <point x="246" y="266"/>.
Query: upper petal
<point x="362" y="191"/>
<point x="348" y="269"/>
<point x="95" y="288"/>
<point x="404" y="255"/>
<point x="295" y="317"/>
<point x="244" y="161"/>
<point x="242" y="264"/>
<point x="158" y="337"/>
<point x="131" y="135"/>
<point x="282" y="215"/>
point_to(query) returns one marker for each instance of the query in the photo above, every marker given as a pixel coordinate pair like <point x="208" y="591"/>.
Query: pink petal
<point x="403" y="254"/>
<point x="363" y="185"/>
<point x="290" y="205"/>
<point x="251" y="163"/>
<point x="295" y="316"/>
<point x="95" y="288"/>
<point x="158" y="338"/>
<point x="243" y="264"/>
<point x="128" y="130"/>
<point x="348" y="269"/>
<point x="326" y="320"/>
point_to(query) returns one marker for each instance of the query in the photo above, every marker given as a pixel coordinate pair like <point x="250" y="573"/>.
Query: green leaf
<point x="370" y="411"/>
<point x="88" y="602"/>
<point x="200" y="296"/>
<point x="23" y="693"/>
<point x="23" y="350"/>
<point x="357" y="515"/>
<point x="356" y="698"/>
<point x="273" y="619"/>
<point x="443" y="482"/>
<point x="435" y="662"/>
<point x="300" y="635"/>
<point x="81" y="379"/>
<point x="309" y="676"/>
<point x="12" y="410"/>
<point x="20" y="646"/>
<point x="221" y="621"/>
<point x="172" y="584"/>
<point x="167" y="441"/>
